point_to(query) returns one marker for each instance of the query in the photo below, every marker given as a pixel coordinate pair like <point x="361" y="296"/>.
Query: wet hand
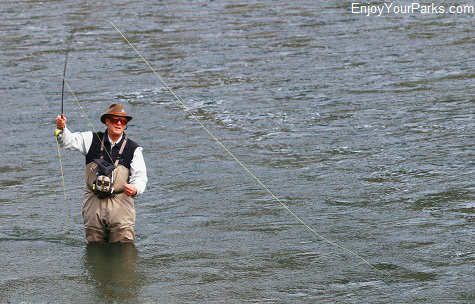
<point x="60" y="121"/>
<point x="130" y="189"/>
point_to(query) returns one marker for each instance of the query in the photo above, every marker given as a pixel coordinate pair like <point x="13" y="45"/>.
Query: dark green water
<point x="363" y="126"/>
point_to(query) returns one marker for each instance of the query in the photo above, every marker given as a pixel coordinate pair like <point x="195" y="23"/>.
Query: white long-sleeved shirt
<point x="81" y="141"/>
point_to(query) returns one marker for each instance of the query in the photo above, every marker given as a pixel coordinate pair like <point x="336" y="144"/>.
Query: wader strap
<point x="120" y="152"/>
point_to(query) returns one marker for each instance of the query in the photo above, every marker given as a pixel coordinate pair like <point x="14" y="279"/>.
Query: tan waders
<point x="111" y="218"/>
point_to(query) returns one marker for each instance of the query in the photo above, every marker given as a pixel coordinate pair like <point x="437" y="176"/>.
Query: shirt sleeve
<point x="138" y="171"/>
<point x="80" y="141"/>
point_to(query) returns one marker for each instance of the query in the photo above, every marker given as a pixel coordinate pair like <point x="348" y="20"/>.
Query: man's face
<point x="116" y="125"/>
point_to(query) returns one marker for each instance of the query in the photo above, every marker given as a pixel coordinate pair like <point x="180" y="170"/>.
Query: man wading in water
<point x="115" y="173"/>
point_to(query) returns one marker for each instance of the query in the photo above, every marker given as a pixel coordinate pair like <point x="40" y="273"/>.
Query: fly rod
<point x="58" y="131"/>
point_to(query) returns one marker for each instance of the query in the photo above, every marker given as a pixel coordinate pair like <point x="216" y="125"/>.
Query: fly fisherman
<point x="115" y="173"/>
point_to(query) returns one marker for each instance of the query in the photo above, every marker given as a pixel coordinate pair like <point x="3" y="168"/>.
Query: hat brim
<point x="104" y="116"/>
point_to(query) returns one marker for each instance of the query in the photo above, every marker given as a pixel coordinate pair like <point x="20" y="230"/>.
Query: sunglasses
<point x="116" y="120"/>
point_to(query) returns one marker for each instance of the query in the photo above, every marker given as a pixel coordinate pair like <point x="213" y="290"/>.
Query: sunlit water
<point x="362" y="126"/>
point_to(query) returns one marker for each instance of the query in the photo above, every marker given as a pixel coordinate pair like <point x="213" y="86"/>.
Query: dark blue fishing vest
<point x="95" y="150"/>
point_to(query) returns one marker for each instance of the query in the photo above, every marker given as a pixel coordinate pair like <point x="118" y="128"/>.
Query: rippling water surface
<point x="362" y="126"/>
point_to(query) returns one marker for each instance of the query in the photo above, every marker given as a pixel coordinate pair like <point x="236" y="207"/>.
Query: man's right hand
<point x="60" y="121"/>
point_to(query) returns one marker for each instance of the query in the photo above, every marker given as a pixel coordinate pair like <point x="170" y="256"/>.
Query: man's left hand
<point x="130" y="189"/>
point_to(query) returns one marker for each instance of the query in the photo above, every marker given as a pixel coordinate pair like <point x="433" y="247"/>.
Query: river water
<point x="362" y="126"/>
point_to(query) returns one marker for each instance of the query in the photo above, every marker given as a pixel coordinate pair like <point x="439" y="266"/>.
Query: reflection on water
<point x="112" y="268"/>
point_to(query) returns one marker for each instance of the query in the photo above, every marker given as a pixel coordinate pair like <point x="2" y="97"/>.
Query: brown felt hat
<point x="115" y="109"/>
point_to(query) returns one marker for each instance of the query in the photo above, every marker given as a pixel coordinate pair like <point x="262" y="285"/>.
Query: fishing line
<point x="62" y="105"/>
<point x="88" y="120"/>
<point x="244" y="166"/>
<point x="61" y="167"/>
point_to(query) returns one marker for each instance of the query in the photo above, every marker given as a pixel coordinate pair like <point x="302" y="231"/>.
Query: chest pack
<point x="103" y="177"/>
